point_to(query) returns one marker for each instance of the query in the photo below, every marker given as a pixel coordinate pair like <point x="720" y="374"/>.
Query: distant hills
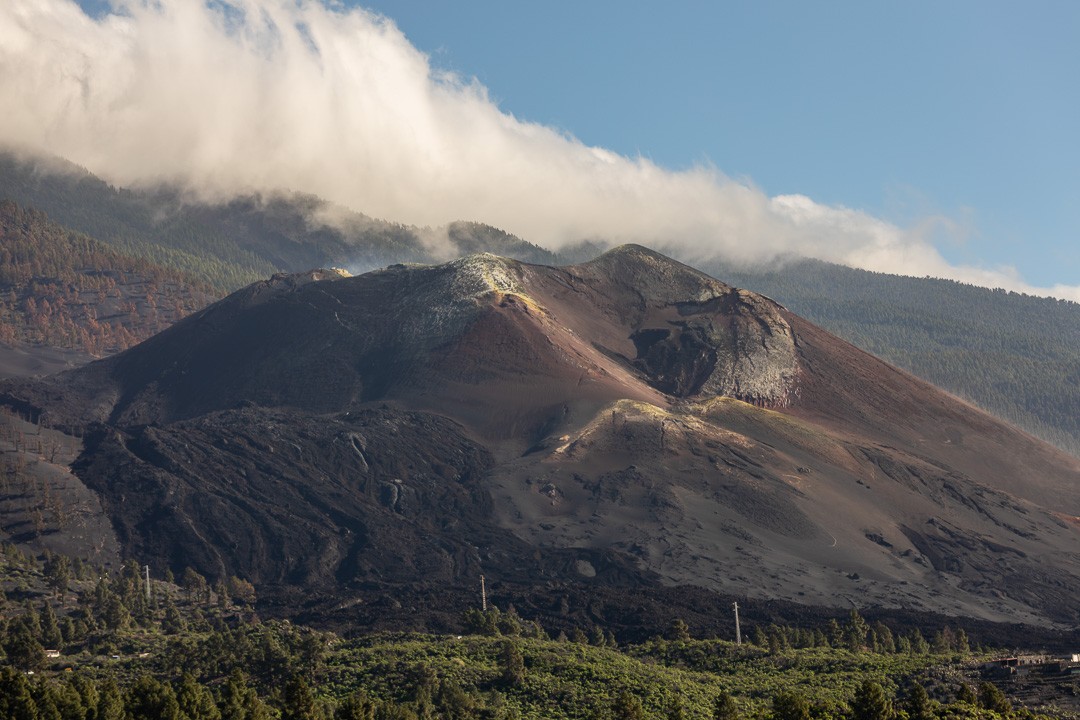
<point x="239" y="241"/>
<point x="1011" y="354"/>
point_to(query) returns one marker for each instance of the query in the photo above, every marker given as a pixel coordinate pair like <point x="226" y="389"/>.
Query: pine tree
<point x="943" y="642"/>
<point x="474" y="622"/>
<point x="237" y="701"/>
<point x="23" y="649"/>
<point x="149" y="699"/>
<point x="453" y="702"/>
<point x="725" y="707"/>
<point x="110" y="704"/>
<point x="195" y="701"/>
<point x="256" y="709"/>
<point x="58" y="573"/>
<point x="917" y="704"/>
<point x="676" y="710"/>
<point x="232" y="695"/>
<point x="991" y="698"/>
<point x="678" y="630"/>
<point x="69" y="631"/>
<point x="88" y="693"/>
<point x="790" y="705"/>
<point x="870" y="702"/>
<point x="855" y="631"/>
<point x="196" y="585"/>
<point x="31" y="619"/>
<point x="241" y="591"/>
<point x="965" y="694"/>
<point x="919" y="646"/>
<point x="962" y="645"/>
<point x="298" y="702"/>
<point x="513" y="665"/>
<point x="510" y="623"/>
<point x="114" y="613"/>
<point x="172" y="622"/>
<point x="836" y="633"/>
<point x="69" y="701"/>
<point x="357" y="706"/>
<point x="222" y="593"/>
<point x="50" y="628"/>
<point x="16" y="700"/>
<point x="884" y="642"/>
<point x="627" y="707"/>
<point x="46" y="700"/>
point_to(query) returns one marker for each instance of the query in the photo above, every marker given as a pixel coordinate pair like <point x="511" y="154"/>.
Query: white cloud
<point x="229" y="96"/>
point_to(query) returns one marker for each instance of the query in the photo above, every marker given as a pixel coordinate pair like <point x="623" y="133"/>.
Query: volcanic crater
<point x="626" y="422"/>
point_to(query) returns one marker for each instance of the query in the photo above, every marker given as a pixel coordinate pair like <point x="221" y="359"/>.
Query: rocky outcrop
<point x="736" y="345"/>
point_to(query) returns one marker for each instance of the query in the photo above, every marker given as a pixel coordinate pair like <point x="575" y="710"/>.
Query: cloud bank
<point x="233" y="96"/>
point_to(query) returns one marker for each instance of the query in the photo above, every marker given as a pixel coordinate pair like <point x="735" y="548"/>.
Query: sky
<point x="924" y="138"/>
<point x="905" y="110"/>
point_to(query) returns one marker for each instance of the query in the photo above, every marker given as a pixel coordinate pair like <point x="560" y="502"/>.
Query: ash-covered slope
<point x="624" y="421"/>
<point x="483" y="332"/>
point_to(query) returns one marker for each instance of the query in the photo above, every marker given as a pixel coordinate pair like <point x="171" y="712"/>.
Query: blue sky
<point x="969" y="109"/>
<point x="916" y="137"/>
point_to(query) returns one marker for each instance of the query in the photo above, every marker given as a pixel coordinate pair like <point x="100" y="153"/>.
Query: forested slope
<point x="120" y="646"/>
<point x="237" y="241"/>
<point x="138" y="224"/>
<point x="60" y="289"/>
<point x="1014" y="355"/>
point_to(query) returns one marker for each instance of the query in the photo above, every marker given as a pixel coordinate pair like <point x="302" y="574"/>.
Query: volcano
<point x="626" y="422"/>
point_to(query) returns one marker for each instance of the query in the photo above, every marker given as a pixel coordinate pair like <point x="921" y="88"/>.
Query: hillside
<point x="138" y="224"/>
<point x="65" y="291"/>
<point x="236" y="241"/>
<point x="1013" y="355"/>
<point x="627" y="424"/>
<point x="1009" y="354"/>
<point x="194" y="650"/>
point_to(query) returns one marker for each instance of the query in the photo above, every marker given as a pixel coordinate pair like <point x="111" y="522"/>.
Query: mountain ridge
<point x="570" y="424"/>
<point x="1007" y="353"/>
<point x="232" y="242"/>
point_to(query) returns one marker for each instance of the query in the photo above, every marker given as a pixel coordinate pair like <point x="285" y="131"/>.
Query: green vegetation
<point x="1013" y="355"/>
<point x="196" y="650"/>
<point x="233" y="243"/>
<point x="147" y="225"/>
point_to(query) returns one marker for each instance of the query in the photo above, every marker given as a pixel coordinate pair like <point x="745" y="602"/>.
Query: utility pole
<point x="147" y="582"/>
<point x="738" y="630"/>
<point x="483" y="595"/>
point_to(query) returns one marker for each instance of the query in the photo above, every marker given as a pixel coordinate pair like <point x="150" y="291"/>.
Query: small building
<point x="49" y="653"/>
<point x="1069" y="663"/>
<point x="1015" y="665"/>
